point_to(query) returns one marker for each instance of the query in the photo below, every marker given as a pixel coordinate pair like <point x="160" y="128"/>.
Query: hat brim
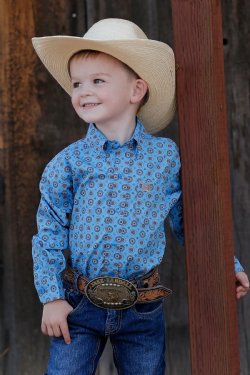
<point x="152" y="60"/>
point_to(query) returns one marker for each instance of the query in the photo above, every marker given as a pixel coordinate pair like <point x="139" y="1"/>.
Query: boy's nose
<point x="85" y="90"/>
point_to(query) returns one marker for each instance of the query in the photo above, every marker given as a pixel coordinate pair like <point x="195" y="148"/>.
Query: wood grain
<point x="206" y="187"/>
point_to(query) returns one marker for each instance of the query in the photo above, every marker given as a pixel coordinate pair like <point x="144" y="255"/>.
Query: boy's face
<point x="103" y="90"/>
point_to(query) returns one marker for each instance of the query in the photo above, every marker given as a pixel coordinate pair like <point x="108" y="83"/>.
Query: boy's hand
<point x="242" y="284"/>
<point x="54" y="320"/>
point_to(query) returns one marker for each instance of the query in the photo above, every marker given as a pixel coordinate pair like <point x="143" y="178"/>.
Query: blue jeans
<point x="137" y="336"/>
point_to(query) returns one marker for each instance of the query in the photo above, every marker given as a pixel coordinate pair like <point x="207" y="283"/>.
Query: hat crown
<point x="114" y="29"/>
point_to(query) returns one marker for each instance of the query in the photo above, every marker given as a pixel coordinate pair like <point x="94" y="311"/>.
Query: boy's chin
<point x="91" y="119"/>
<point x="87" y="119"/>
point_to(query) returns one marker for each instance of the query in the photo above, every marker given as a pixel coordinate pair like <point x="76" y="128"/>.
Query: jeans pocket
<point x="76" y="299"/>
<point x="149" y="308"/>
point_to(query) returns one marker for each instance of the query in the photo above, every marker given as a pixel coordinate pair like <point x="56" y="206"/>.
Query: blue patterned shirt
<point x="106" y="203"/>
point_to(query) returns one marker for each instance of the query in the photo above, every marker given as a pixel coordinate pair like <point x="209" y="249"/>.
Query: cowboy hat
<point x="152" y="60"/>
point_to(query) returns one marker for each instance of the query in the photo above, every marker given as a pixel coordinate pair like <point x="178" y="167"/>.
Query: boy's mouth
<point x="90" y="105"/>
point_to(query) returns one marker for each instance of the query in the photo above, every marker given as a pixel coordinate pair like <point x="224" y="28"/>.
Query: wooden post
<point x="18" y="115"/>
<point x="198" y="44"/>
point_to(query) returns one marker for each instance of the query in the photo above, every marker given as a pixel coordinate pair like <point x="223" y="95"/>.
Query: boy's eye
<point x="98" y="80"/>
<point x="76" y="84"/>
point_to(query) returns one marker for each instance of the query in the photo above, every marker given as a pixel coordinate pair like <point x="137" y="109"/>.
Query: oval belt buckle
<point x="111" y="293"/>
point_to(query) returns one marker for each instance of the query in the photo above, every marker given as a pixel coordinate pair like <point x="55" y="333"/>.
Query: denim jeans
<point x="136" y="334"/>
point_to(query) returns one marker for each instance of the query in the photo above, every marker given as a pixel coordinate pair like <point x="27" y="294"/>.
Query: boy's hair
<point x="93" y="53"/>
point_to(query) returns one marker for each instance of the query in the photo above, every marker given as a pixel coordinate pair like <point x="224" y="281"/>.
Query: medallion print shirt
<point x="106" y="203"/>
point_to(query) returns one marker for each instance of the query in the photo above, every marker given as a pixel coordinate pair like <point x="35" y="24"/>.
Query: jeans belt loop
<point x="75" y="282"/>
<point x="139" y="282"/>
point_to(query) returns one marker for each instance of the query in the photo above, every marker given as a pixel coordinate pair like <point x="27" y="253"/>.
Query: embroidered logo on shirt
<point x="146" y="187"/>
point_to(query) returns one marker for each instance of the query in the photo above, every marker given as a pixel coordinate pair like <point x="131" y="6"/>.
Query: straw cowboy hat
<point x="152" y="60"/>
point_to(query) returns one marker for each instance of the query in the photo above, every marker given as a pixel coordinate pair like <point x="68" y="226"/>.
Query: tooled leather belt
<point x="117" y="293"/>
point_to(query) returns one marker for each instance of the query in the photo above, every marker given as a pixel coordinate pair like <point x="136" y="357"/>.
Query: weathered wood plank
<point x="206" y="187"/>
<point x="30" y="135"/>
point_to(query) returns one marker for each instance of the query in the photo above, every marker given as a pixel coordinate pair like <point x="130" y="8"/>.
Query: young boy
<point x="105" y="198"/>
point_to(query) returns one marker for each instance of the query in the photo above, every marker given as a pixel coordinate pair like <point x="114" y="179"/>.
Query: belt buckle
<point x="111" y="293"/>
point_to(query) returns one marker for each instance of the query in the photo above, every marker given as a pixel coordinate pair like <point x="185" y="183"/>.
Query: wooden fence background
<point x="37" y="121"/>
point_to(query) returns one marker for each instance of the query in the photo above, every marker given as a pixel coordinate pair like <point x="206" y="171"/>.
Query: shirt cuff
<point x="237" y="266"/>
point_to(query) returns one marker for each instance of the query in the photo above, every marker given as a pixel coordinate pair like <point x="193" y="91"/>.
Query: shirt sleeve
<point x="53" y="219"/>
<point x="237" y="266"/>
<point x="176" y="220"/>
<point x="175" y="216"/>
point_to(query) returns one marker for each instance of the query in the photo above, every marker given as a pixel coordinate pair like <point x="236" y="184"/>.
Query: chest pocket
<point x="150" y="197"/>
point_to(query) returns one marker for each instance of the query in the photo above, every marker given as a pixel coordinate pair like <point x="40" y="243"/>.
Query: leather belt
<point x="117" y="293"/>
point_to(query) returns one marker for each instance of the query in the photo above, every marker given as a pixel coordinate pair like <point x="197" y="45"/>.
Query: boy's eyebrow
<point x="94" y="75"/>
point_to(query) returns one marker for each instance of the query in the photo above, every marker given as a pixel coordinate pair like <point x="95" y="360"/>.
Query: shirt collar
<point x="97" y="140"/>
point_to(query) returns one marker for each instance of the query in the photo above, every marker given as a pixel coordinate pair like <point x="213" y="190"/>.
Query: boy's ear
<point x="139" y="90"/>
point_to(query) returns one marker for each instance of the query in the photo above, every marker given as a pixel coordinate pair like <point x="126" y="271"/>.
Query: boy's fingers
<point x="57" y="331"/>
<point x="242" y="288"/>
<point x="65" y="332"/>
<point x="241" y="291"/>
<point x="50" y="331"/>
<point x="240" y="294"/>
<point x="242" y="284"/>
<point x="242" y="278"/>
